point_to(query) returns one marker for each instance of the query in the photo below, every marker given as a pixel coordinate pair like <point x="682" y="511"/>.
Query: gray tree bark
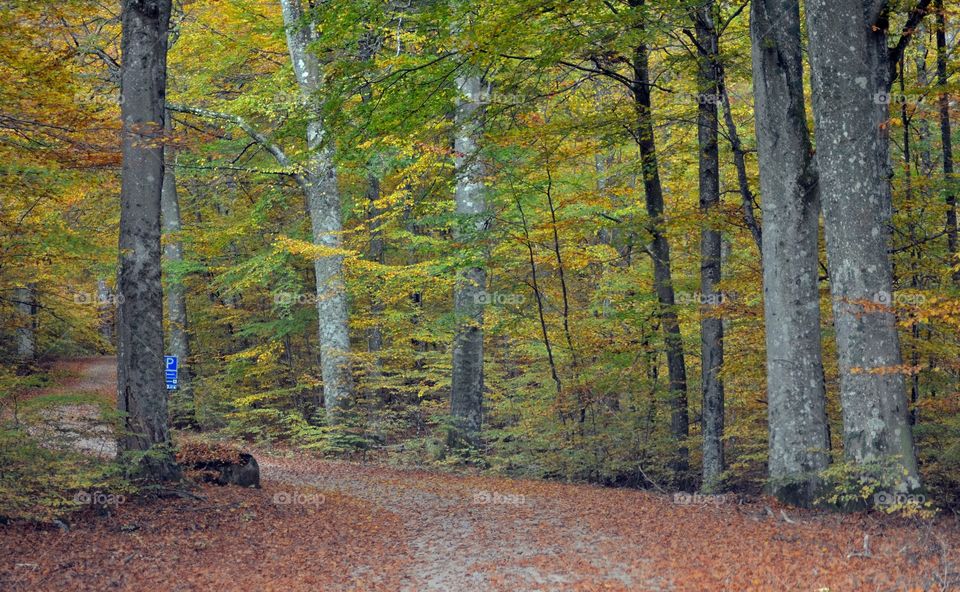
<point x="107" y="309"/>
<point x="850" y="67"/>
<point x="466" y="390"/>
<point x="25" y="299"/>
<point x="324" y="204"/>
<point x="178" y="343"/>
<point x="798" y="439"/>
<point x="711" y="326"/>
<point x="141" y="393"/>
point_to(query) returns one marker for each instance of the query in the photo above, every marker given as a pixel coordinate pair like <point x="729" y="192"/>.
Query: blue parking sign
<point x="172" y="366"/>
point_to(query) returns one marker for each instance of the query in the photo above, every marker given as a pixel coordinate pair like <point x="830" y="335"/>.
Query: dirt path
<point x="324" y="525"/>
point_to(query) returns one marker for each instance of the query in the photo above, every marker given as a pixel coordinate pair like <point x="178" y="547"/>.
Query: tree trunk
<point x="711" y="326"/>
<point x="177" y="337"/>
<point x="107" y="310"/>
<point x="798" y="439"/>
<point x="25" y="298"/>
<point x="660" y="252"/>
<point x="141" y="394"/>
<point x="946" y="137"/>
<point x="466" y="390"/>
<point x="850" y="70"/>
<point x="323" y="199"/>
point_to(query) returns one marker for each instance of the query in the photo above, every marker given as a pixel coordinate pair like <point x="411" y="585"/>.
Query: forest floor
<point x="319" y="525"/>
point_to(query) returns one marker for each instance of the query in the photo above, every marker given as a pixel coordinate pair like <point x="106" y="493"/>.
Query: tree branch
<point x="259" y="138"/>
<point x="909" y="28"/>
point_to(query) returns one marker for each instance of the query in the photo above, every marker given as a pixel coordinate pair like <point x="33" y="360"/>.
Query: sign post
<point x="172" y="366"/>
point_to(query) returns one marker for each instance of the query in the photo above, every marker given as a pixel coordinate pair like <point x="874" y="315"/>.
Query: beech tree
<point x="711" y="326"/>
<point x="851" y="73"/>
<point x="466" y="389"/>
<point x="798" y="439"/>
<point x="142" y="394"/>
<point x="319" y="181"/>
<point x="178" y="341"/>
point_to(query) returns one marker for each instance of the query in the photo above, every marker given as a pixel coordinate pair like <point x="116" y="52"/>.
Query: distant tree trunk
<point x="375" y="253"/>
<point x="660" y="252"/>
<point x="105" y="302"/>
<point x="141" y="393"/>
<point x="25" y="298"/>
<point x="946" y="137"/>
<point x="711" y="326"/>
<point x="375" y="250"/>
<point x="850" y="65"/>
<point x="466" y="391"/>
<point x="747" y="202"/>
<point x="177" y="336"/>
<point x="798" y="439"/>
<point x="323" y="199"/>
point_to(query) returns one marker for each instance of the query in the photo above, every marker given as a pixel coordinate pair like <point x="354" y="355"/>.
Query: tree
<point x="946" y="136"/>
<point x="323" y="202"/>
<point x="660" y="247"/>
<point x="141" y="393"/>
<point x="466" y="388"/>
<point x="711" y="325"/>
<point x="798" y="439"/>
<point x="851" y="73"/>
<point x="178" y="341"/>
<point x="25" y="299"/>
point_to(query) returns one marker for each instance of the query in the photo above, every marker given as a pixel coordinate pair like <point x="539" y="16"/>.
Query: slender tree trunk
<point x="141" y="393"/>
<point x="798" y="439"/>
<point x="946" y="137"/>
<point x="850" y="67"/>
<point x="107" y="309"/>
<point x="747" y="201"/>
<point x="539" y="297"/>
<point x="25" y="298"/>
<point x="711" y="325"/>
<point x="178" y="343"/>
<point x="323" y="199"/>
<point x="375" y="250"/>
<point x="466" y="392"/>
<point x="660" y="252"/>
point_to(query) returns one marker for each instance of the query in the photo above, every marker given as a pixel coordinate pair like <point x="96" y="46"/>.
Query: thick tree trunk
<point x="141" y="393"/>
<point x="711" y="326"/>
<point x="850" y="71"/>
<point x="466" y="391"/>
<point x="177" y="337"/>
<point x="660" y="252"/>
<point x="323" y="201"/>
<point x="25" y="298"/>
<point x="946" y="137"/>
<point x="798" y="439"/>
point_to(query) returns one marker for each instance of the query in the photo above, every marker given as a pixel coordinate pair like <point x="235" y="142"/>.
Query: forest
<point x="479" y="295"/>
